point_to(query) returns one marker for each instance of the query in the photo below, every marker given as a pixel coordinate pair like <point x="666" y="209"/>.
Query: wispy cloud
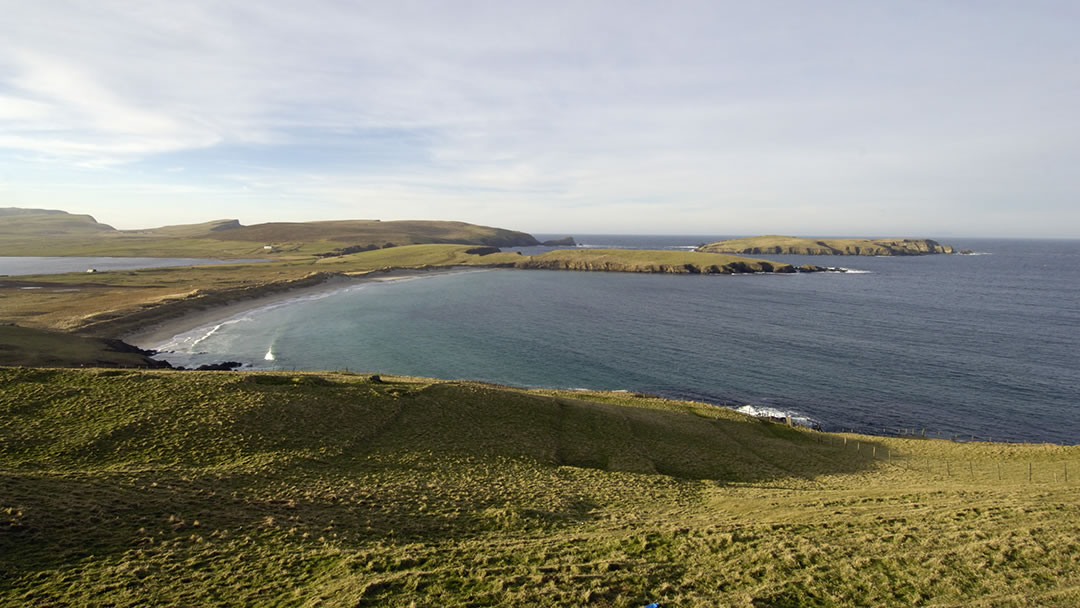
<point x="730" y="116"/>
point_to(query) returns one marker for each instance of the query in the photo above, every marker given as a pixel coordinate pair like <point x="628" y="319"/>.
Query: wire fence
<point x="982" y="467"/>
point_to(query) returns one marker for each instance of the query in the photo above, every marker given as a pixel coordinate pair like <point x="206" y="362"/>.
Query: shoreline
<point x="154" y="334"/>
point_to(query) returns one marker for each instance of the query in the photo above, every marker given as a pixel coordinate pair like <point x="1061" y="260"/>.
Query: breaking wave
<point x="761" y="411"/>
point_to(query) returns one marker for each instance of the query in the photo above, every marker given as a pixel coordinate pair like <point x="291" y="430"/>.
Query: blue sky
<point x="916" y="118"/>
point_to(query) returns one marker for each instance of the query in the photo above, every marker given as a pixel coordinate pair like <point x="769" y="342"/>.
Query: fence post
<point x="971" y="470"/>
<point x="948" y="469"/>
<point x="1029" y="472"/>
<point x="999" y="471"/>
<point x="1066" y="472"/>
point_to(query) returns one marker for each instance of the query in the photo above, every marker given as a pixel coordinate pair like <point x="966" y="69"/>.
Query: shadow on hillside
<point x="409" y="464"/>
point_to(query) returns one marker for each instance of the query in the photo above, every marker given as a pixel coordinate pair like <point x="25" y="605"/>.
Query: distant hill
<point x="776" y="244"/>
<point x="21" y="232"/>
<point x="48" y="222"/>
<point x="359" y="232"/>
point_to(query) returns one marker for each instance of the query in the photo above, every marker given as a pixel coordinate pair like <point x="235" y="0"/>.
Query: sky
<point x="827" y="118"/>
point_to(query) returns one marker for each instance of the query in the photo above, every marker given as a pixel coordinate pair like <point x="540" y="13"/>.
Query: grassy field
<point x="36" y="347"/>
<point x="36" y="232"/>
<point x="650" y="260"/>
<point x="764" y="245"/>
<point x="128" y="488"/>
<point x="107" y="304"/>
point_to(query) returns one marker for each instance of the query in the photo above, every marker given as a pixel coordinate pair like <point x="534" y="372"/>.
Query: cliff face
<point x="609" y="265"/>
<point x="764" y="245"/>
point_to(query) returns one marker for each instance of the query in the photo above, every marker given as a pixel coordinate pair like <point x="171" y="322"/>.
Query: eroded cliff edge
<point x="777" y="244"/>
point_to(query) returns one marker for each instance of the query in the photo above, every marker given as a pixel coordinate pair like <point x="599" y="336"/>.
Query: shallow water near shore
<point x="984" y="345"/>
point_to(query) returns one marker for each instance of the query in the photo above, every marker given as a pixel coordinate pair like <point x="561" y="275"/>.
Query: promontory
<point x="774" y="244"/>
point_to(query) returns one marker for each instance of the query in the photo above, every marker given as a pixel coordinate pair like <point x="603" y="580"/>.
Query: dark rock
<point x="563" y="242"/>
<point x="483" y="250"/>
<point x="224" y="366"/>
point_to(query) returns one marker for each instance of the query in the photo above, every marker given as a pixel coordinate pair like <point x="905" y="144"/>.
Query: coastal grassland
<point x="132" y="488"/>
<point x="109" y="304"/>
<point x="778" y="244"/>
<point x="417" y="256"/>
<point x="650" y="260"/>
<point x="37" y="232"/>
<point x="35" y="347"/>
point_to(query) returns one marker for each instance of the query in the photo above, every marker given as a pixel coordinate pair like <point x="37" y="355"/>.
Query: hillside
<point x="36" y="347"/>
<point x="108" y="304"/>
<point x="21" y="232"/>
<point x="775" y="244"/>
<point x="133" y="488"/>
<point x="16" y="222"/>
<point x="646" y="260"/>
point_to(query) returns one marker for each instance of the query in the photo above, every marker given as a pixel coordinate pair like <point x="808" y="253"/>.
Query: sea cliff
<point x="653" y="261"/>
<point x="776" y="244"/>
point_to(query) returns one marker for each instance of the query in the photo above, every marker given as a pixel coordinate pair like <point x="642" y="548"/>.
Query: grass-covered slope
<point x="774" y="244"/>
<point x="112" y="303"/>
<point x="36" y="347"/>
<point x="270" y="489"/>
<point x="379" y="233"/>
<point x="650" y="260"/>
<point x="21" y="232"/>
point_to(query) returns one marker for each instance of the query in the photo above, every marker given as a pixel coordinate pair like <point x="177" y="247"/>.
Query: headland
<point x="777" y="244"/>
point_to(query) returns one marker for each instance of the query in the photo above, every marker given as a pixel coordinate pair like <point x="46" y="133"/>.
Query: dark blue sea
<point x="984" y="345"/>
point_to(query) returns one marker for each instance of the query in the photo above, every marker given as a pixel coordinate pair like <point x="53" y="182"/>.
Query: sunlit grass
<point x="142" y="487"/>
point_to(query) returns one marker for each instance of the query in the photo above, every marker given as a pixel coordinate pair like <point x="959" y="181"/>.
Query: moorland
<point x="776" y="244"/>
<point x="133" y="487"/>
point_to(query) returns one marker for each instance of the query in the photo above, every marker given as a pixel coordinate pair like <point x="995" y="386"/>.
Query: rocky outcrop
<point x="688" y="268"/>
<point x="766" y="245"/>
<point x="563" y="242"/>
<point x="481" y="251"/>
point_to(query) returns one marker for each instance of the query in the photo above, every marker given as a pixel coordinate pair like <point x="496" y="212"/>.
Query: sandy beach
<point x="156" y="334"/>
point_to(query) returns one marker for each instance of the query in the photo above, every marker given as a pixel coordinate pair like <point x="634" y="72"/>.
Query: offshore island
<point x="776" y="244"/>
<point x="129" y="486"/>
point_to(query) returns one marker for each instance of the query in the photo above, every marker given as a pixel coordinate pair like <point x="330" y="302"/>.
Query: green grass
<point x="649" y="260"/>
<point x="35" y="347"/>
<point x="111" y="303"/>
<point x="27" y="232"/>
<point x="758" y="245"/>
<point x="415" y="256"/>
<point x="132" y="488"/>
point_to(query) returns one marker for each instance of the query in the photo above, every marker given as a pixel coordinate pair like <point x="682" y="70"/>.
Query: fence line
<point x="1036" y="471"/>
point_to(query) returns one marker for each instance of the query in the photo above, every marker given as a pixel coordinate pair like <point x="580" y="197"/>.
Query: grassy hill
<point x="128" y="488"/>
<point x="111" y="303"/>
<point x="21" y="232"/>
<point x="36" y="347"/>
<point x="776" y="244"/>
<point x="650" y="260"/>
<point x="16" y="223"/>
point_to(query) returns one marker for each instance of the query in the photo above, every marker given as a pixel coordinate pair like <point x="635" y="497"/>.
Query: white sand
<point x="160" y="333"/>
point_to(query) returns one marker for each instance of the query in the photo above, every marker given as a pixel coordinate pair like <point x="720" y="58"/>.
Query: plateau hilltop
<point x="776" y="244"/>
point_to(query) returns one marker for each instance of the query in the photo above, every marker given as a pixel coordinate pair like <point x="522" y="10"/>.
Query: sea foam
<point x="761" y="411"/>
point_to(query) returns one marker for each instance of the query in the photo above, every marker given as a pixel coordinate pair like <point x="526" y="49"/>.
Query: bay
<point x="963" y="345"/>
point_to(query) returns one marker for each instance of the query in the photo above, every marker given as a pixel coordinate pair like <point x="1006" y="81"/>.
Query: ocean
<point x="967" y="346"/>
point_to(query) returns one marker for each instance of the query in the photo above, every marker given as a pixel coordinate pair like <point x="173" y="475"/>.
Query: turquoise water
<point x="983" y="345"/>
